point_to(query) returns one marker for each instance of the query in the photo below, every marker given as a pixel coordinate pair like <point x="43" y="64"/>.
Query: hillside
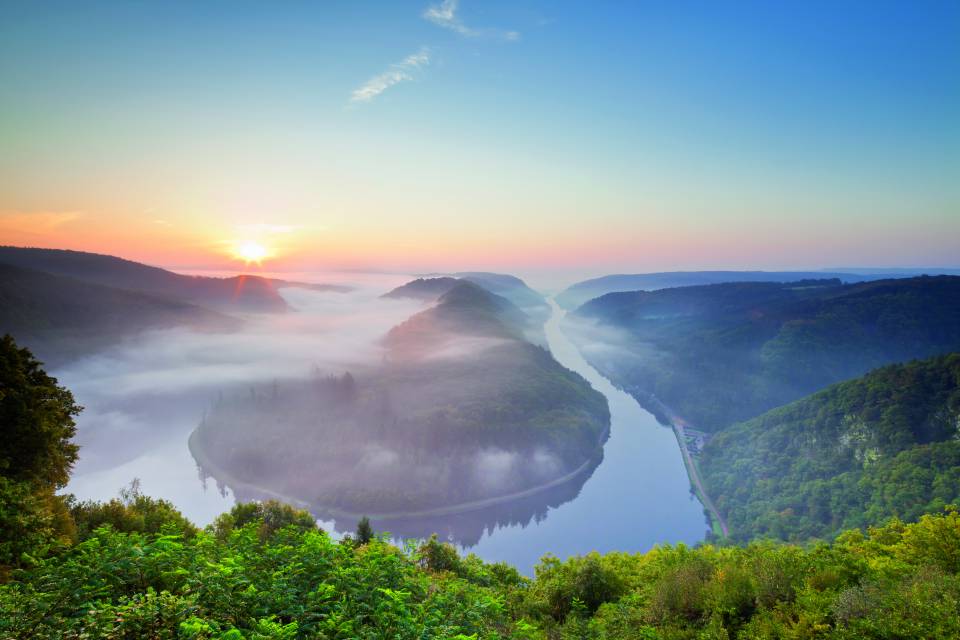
<point x="239" y="293"/>
<point x="724" y="353"/>
<point x="581" y="292"/>
<point x="461" y="411"/>
<point x="60" y="318"/>
<point x="856" y="453"/>
<point x="529" y="307"/>
<point x="513" y="289"/>
<point x="465" y="309"/>
<point x="425" y="289"/>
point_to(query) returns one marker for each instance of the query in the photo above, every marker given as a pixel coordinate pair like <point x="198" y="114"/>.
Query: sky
<point x="501" y="135"/>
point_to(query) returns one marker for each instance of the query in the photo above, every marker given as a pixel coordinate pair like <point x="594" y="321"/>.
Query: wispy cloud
<point x="399" y="72"/>
<point x="445" y="15"/>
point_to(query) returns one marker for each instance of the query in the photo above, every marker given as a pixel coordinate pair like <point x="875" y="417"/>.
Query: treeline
<point x="725" y="353"/>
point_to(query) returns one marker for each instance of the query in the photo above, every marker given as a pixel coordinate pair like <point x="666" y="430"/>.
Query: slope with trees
<point x="724" y="353"/>
<point x="238" y="293"/>
<point x="513" y="289"/>
<point x="886" y="444"/>
<point x="461" y="411"/>
<point x="60" y="318"/>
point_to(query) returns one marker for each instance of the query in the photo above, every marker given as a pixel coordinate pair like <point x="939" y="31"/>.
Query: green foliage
<point x="36" y="454"/>
<point x="270" y="517"/>
<point x="36" y="415"/>
<point x="856" y="453"/>
<point x="132" y="512"/>
<point x="895" y="581"/>
<point x="364" y="531"/>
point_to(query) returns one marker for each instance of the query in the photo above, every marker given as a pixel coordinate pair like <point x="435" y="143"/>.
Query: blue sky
<point x="606" y="135"/>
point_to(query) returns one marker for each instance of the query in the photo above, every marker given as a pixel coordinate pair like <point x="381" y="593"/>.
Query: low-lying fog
<point x="143" y="397"/>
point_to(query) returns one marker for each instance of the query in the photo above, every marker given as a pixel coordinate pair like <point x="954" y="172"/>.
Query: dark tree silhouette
<point x="36" y="455"/>
<point x="364" y="531"/>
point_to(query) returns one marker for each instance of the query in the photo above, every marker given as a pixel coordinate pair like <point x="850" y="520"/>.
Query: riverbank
<point x="679" y="426"/>
<point x="667" y="417"/>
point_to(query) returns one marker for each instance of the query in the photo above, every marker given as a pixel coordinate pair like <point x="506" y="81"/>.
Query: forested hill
<point x="425" y="289"/>
<point x="465" y="306"/>
<point x="461" y="410"/>
<point x="239" y="293"/>
<point x="513" y="289"/>
<point x="724" y="353"/>
<point x="465" y="309"/>
<point x="510" y="287"/>
<point x="857" y="453"/>
<point x="60" y="318"/>
<point x="581" y="292"/>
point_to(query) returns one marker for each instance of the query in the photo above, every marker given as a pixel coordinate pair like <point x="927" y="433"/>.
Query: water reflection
<point x="465" y="528"/>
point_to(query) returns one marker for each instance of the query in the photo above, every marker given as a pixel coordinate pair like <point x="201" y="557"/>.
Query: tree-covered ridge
<point x="61" y="317"/>
<point x="237" y="293"/>
<point x="856" y="453"/>
<point x="505" y="296"/>
<point x="724" y="353"/>
<point x="461" y="410"/>
<point x="582" y="292"/>
<point x="265" y="571"/>
<point x="426" y="289"/>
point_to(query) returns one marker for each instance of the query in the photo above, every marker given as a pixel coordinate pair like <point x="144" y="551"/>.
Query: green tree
<point x="364" y="531"/>
<point x="36" y="455"/>
<point x="271" y="516"/>
<point x="131" y="512"/>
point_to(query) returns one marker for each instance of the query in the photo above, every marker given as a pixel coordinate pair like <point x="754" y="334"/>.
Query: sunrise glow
<point x="251" y="252"/>
<point x="689" y="150"/>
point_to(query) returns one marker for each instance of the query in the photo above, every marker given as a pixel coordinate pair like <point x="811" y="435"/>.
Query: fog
<point x="451" y="415"/>
<point x="143" y="396"/>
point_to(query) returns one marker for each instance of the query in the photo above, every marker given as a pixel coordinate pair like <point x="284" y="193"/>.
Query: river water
<point x="637" y="497"/>
<point x="138" y="421"/>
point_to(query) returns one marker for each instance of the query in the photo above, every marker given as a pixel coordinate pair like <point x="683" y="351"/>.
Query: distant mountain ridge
<point x="510" y="287"/>
<point x="465" y="309"/>
<point x="719" y="354"/>
<point x="525" y="300"/>
<point x="579" y="293"/>
<point x="425" y="289"/>
<point x="238" y="293"/>
<point x="60" y="318"/>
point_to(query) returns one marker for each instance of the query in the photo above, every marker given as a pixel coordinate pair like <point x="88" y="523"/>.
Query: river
<point x="142" y="406"/>
<point x="637" y="497"/>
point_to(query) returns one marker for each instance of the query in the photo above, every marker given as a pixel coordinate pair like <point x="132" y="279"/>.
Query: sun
<point x="251" y="252"/>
